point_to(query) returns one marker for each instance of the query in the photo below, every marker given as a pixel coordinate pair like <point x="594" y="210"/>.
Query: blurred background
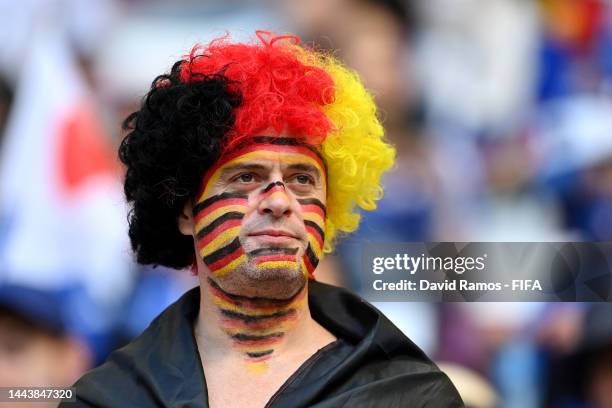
<point x="501" y="111"/>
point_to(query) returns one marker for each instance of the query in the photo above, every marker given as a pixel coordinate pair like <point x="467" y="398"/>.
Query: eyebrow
<point x="309" y="168"/>
<point x="242" y="167"/>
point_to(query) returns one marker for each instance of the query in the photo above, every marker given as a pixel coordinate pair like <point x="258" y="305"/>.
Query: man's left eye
<point x="303" y="179"/>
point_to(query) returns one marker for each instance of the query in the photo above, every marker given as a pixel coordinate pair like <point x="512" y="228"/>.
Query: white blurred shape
<point x="66" y="220"/>
<point x="417" y="320"/>
<point x="475" y="60"/>
<point x="575" y="133"/>
<point x="141" y="47"/>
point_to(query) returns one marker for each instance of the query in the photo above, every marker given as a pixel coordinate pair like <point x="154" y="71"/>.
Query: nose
<point x="275" y="201"/>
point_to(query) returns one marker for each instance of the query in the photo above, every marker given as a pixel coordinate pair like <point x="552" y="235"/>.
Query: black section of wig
<point x="175" y="136"/>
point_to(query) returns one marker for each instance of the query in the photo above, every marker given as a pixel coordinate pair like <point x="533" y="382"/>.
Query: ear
<point x="185" y="219"/>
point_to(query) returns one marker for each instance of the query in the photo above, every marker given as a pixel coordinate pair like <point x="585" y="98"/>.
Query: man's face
<point x="259" y="219"/>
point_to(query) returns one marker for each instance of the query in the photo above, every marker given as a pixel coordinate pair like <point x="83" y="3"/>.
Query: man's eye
<point x="245" y="178"/>
<point x="304" y="179"/>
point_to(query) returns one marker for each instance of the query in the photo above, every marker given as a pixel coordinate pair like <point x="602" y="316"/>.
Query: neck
<point x="252" y="329"/>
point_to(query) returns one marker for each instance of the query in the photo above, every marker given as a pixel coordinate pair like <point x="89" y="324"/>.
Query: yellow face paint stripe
<point x="223" y="304"/>
<point x="234" y="308"/>
<point x="304" y="269"/>
<point x="277" y="264"/>
<point x="230" y="266"/>
<point x="314" y="217"/>
<point x="223" y="238"/>
<point x="202" y="223"/>
<point x="314" y="244"/>
<point x="257" y="367"/>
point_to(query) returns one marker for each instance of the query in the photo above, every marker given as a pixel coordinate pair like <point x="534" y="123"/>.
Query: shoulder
<point x="383" y="367"/>
<point x="398" y="382"/>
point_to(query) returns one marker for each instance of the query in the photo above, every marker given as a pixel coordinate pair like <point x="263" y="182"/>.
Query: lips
<point x="273" y="234"/>
<point x="274" y="251"/>
<point x="273" y="237"/>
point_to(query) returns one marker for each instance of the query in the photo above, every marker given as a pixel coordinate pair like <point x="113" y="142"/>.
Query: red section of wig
<point x="278" y="91"/>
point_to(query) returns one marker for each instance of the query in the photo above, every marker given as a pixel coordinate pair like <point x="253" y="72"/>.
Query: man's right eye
<point x="245" y="178"/>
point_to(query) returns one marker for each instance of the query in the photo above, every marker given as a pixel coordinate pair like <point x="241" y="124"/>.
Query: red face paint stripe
<point x="314" y="230"/>
<point x="272" y="185"/>
<point x="312" y="201"/>
<point x="248" y="305"/>
<point x="273" y="190"/>
<point x="222" y="262"/>
<point x="233" y="215"/>
<point x="292" y="149"/>
<point x="314" y="260"/>
<point x="202" y="242"/>
<point x="222" y="203"/>
<point x="316" y="236"/>
<point x="211" y="200"/>
<point x="309" y="267"/>
<point x="316" y="233"/>
<point x="311" y="208"/>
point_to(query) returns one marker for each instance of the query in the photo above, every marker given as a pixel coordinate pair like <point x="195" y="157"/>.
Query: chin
<point x="271" y="282"/>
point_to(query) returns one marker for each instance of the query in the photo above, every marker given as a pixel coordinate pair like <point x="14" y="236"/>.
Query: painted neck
<point x="256" y="329"/>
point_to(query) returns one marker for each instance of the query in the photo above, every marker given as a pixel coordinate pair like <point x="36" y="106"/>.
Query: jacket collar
<point x="174" y="359"/>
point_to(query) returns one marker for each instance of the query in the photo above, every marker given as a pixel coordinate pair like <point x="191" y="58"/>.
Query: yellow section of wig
<point x="355" y="152"/>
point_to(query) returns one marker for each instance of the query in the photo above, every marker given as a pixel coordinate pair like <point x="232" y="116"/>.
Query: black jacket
<point x="372" y="364"/>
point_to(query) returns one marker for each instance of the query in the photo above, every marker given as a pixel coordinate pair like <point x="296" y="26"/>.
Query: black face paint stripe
<point x="264" y="301"/>
<point x="314" y="201"/>
<point x="271" y="186"/>
<point x="260" y="353"/>
<point x="314" y="261"/>
<point x="256" y="318"/>
<point x="255" y="337"/>
<point x="284" y="141"/>
<point x="272" y="251"/>
<point x="316" y="227"/>
<point x="222" y="252"/>
<point x="233" y="215"/>
<point x="211" y="200"/>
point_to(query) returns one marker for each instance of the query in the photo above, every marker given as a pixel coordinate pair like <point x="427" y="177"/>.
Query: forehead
<point x="262" y="153"/>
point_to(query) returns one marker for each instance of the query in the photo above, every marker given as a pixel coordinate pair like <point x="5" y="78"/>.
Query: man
<point x="245" y="162"/>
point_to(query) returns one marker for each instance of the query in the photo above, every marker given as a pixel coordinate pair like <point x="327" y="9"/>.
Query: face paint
<point x="255" y="325"/>
<point x="292" y="152"/>
<point x="218" y="221"/>
<point x="219" y="217"/>
<point x="278" y="258"/>
<point x="314" y="213"/>
<point x="274" y="258"/>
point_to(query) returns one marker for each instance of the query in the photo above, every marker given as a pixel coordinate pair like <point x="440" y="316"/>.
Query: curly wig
<point x="220" y="96"/>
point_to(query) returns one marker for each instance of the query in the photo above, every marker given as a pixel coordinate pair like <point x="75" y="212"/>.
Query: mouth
<point x="273" y="233"/>
<point x="273" y="251"/>
<point x="273" y="237"/>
